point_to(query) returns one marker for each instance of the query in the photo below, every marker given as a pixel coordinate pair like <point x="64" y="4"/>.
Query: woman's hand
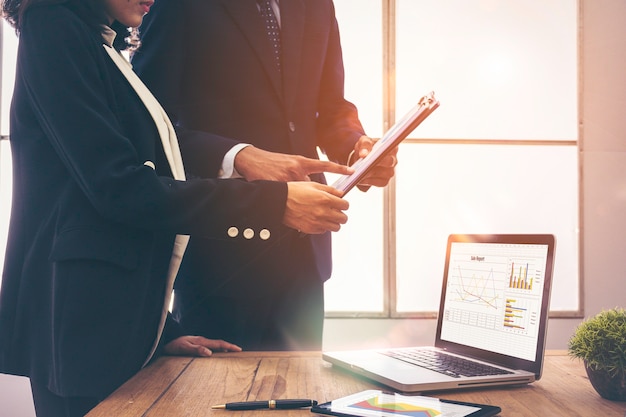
<point x="314" y="208"/>
<point x="198" y="346"/>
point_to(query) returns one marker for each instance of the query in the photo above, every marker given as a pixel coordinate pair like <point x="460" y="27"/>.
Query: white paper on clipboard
<point x="396" y="134"/>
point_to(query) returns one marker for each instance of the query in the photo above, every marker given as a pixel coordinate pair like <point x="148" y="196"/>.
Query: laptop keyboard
<point x="445" y="364"/>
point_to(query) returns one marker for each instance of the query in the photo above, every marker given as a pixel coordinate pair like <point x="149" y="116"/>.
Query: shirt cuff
<point x="228" y="164"/>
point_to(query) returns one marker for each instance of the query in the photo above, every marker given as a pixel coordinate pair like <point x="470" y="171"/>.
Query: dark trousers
<point x="289" y="317"/>
<point x="48" y="404"/>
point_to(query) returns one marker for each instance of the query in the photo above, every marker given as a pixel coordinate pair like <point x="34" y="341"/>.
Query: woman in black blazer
<point x="101" y="209"/>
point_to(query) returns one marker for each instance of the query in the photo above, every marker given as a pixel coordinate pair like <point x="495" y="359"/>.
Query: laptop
<point x="491" y="325"/>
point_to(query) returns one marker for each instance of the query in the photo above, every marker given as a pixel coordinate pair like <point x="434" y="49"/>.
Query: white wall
<point x="603" y="153"/>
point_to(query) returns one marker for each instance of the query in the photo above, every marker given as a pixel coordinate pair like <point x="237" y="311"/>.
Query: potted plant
<point x="600" y="342"/>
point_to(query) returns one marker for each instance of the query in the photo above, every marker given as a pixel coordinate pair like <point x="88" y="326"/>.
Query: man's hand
<point x="198" y="346"/>
<point x="256" y="164"/>
<point x="314" y="208"/>
<point x="382" y="172"/>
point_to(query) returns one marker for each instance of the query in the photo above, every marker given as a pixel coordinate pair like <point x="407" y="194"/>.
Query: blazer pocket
<point x="108" y="245"/>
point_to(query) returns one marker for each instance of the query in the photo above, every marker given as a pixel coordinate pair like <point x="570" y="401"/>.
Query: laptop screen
<point x="495" y="293"/>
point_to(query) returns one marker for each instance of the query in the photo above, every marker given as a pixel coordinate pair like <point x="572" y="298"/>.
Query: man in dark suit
<point x="213" y="67"/>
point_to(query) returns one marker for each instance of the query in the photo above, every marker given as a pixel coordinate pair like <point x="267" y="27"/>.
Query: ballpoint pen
<point x="271" y="404"/>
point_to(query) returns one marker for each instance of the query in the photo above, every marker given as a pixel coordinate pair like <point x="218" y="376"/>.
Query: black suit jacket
<point x="92" y="227"/>
<point x="210" y="64"/>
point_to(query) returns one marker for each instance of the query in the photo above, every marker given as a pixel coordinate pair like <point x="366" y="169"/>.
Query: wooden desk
<point x="178" y="386"/>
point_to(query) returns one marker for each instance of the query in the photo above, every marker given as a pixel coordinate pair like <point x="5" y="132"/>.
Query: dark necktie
<point x="272" y="29"/>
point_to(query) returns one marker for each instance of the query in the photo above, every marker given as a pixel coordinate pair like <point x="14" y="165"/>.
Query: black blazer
<point x="92" y="227"/>
<point x="210" y="64"/>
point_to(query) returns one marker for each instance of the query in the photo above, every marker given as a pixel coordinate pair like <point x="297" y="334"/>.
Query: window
<point x="498" y="156"/>
<point x="8" y="52"/>
<point x="7" y="75"/>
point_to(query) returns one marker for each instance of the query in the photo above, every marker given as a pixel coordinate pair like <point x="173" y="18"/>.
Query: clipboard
<point x="375" y="403"/>
<point x="396" y="134"/>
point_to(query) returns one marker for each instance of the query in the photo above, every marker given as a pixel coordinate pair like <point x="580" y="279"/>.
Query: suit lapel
<point x="172" y="152"/>
<point x="161" y="120"/>
<point x="246" y="15"/>
<point x="292" y="29"/>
